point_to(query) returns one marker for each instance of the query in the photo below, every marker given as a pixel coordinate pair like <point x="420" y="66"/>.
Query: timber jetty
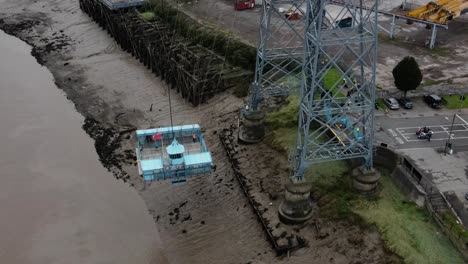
<point x="196" y="72"/>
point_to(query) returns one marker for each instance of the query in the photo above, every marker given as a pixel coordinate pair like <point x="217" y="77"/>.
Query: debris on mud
<point x="14" y="29"/>
<point x="107" y="143"/>
<point x="57" y="42"/>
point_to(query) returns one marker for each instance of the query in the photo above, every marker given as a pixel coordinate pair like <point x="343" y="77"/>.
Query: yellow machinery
<point x="439" y="12"/>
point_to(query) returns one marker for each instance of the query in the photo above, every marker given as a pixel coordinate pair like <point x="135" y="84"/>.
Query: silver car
<point x="392" y="103"/>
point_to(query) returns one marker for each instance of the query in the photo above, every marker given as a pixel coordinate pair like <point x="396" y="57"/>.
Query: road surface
<point x="402" y="131"/>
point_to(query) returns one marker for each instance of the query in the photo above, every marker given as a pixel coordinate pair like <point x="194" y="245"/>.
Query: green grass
<point x="380" y="103"/>
<point x="291" y="82"/>
<point x="429" y="82"/>
<point x="327" y="178"/>
<point x="407" y="230"/>
<point x="283" y="139"/>
<point x="148" y="16"/>
<point x="287" y="116"/>
<point x="456" y="229"/>
<point x="453" y="102"/>
<point x="332" y="188"/>
<point x="332" y="77"/>
<point x="332" y="82"/>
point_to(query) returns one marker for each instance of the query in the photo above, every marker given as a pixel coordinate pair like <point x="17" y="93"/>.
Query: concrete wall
<point x="408" y="185"/>
<point x="388" y="160"/>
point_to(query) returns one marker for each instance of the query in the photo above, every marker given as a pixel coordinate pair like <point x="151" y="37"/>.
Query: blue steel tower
<point x="336" y="116"/>
<point x="279" y="61"/>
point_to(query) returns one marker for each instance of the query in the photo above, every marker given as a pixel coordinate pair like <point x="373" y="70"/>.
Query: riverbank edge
<point x="107" y="140"/>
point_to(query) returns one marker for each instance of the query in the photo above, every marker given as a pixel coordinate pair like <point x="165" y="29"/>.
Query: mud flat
<point x="58" y="203"/>
<point x="209" y="219"/>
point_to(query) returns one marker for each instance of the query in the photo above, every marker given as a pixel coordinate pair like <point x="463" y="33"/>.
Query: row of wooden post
<point x="196" y="72"/>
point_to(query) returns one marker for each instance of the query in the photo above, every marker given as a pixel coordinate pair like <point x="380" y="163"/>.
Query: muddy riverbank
<point x="58" y="203"/>
<point x="207" y="220"/>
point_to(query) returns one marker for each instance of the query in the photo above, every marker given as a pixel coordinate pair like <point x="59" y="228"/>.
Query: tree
<point x="407" y="75"/>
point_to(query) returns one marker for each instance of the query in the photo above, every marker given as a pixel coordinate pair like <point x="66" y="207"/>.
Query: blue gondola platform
<point x="175" y="153"/>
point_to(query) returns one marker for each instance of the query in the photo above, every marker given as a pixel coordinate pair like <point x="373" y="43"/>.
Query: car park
<point x="391" y="103"/>
<point x="433" y="101"/>
<point x="406" y="103"/>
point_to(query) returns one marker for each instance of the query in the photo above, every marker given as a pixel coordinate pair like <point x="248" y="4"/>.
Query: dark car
<point x="345" y="22"/>
<point x="433" y="101"/>
<point x="405" y="103"/>
<point x="392" y="103"/>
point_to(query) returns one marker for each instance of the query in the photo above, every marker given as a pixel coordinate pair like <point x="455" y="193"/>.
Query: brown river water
<point x="58" y="204"/>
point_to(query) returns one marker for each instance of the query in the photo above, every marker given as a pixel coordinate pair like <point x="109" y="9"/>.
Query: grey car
<point x="392" y="103"/>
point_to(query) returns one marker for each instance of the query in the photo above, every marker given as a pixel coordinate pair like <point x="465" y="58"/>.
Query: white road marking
<point x="404" y="128"/>
<point x="463" y="120"/>
<point x="404" y="135"/>
<point x="445" y="130"/>
<point x="459" y="130"/>
<point x="399" y="140"/>
<point x="392" y="132"/>
<point x="411" y="140"/>
<point x="436" y="132"/>
<point x="408" y="133"/>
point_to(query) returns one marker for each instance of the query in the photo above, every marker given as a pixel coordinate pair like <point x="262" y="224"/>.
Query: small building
<point x="174" y="153"/>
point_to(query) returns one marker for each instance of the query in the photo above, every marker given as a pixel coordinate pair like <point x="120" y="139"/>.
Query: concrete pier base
<point x="365" y="180"/>
<point x="252" y="129"/>
<point x="296" y="208"/>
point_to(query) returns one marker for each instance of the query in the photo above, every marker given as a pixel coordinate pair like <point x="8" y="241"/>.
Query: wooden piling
<point x="194" y="71"/>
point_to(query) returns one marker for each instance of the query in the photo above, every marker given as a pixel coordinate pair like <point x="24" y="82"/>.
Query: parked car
<point x="345" y="22"/>
<point x="405" y="103"/>
<point x="433" y="101"/>
<point x="392" y="103"/>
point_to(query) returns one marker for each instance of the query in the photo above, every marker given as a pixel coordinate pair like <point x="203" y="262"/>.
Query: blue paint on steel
<point x="151" y="164"/>
<point x="113" y="5"/>
<point x="175" y="148"/>
<point x="344" y="122"/>
<point x="168" y="130"/>
<point x="176" y="165"/>
<point x="194" y="159"/>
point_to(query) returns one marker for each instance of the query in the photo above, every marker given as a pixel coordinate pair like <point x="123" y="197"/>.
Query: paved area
<point x="398" y="128"/>
<point x="401" y="132"/>
<point x="449" y="173"/>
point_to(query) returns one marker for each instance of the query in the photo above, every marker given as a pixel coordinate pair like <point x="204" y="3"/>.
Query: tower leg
<point x="365" y="179"/>
<point x="296" y="207"/>
<point x="252" y="129"/>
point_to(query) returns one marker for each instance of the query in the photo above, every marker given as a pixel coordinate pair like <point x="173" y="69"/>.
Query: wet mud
<point x="328" y="240"/>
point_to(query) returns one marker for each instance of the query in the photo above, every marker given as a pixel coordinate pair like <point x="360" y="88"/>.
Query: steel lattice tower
<point x="335" y="122"/>
<point x="280" y="54"/>
<point x="280" y="50"/>
<point x="352" y="52"/>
